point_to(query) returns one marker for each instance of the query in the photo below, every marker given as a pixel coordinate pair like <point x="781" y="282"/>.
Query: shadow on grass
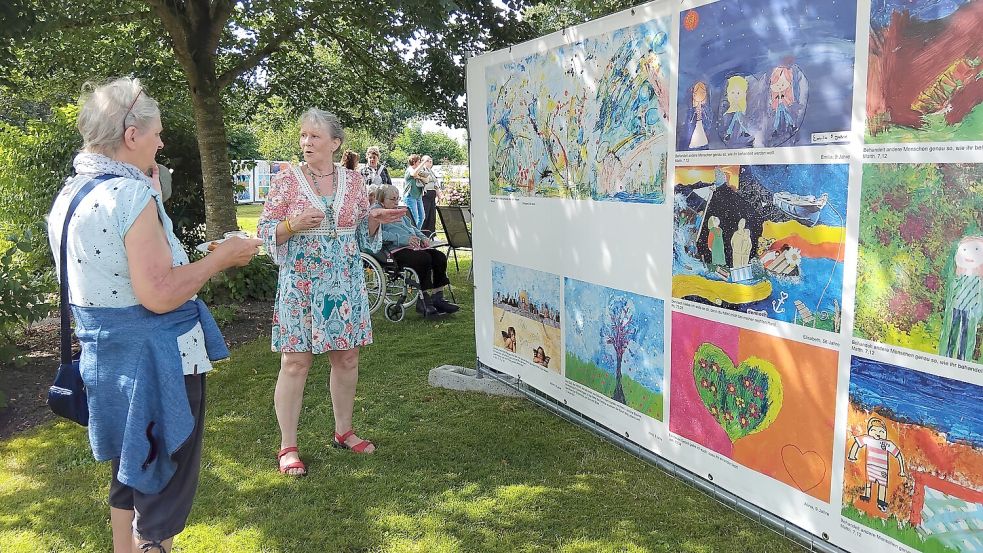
<point x="454" y="471"/>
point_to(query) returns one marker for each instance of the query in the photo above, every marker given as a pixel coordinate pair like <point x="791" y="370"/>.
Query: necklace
<point x="316" y="177"/>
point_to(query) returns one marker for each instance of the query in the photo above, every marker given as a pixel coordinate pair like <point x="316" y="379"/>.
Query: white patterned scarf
<point x="87" y="163"/>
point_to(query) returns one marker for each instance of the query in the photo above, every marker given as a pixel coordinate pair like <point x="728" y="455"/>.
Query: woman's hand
<point x="237" y="252"/>
<point x="155" y="177"/>
<point x="414" y="242"/>
<point x="381" y="215"/>
<point x="425" y="242"/>
<point x="310" y="218"/>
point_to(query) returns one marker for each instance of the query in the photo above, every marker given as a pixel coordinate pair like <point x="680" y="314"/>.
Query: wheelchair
<point x="390" y="286"/>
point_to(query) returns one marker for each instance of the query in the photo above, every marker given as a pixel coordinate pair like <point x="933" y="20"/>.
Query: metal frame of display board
<point x="778" y="525"/>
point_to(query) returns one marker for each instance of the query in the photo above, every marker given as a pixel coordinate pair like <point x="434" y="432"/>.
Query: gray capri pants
<point x="163" y="515"/>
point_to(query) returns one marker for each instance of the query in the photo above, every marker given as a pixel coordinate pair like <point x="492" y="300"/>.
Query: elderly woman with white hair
<point x="147" y="341"/>
<point x="315" y="222"/>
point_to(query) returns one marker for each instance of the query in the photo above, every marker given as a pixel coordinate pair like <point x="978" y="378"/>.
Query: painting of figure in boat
<point x="763" y="401"/>
<point x="587" y="120"/>
<point x="925" y="71"/>
<point x="526" y="314"/>
<point x="614" y="344"/>
<point x="914" y="457"/>
<point x="763" y="74"/>
<point x="767" y="240"/>
<point x="920" y="263"/>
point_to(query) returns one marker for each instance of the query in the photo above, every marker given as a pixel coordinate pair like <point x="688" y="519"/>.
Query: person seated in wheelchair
<point x="410" y="247"/>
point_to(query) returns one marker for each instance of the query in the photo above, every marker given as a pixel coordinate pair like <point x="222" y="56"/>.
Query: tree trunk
<point x="216" y="169"/>
<point x="619" y="392"/>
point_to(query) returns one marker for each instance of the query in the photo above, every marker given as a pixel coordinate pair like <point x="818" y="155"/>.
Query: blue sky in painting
<point x="541" y="287"/>
<point x="585" y="306"/>
<point x="747" y="37"/>
<point x="947" y="405"/>
<point x="925" y="10"/>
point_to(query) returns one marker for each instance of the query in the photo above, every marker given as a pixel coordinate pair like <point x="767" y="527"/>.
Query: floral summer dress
<point x="321" y="301"/>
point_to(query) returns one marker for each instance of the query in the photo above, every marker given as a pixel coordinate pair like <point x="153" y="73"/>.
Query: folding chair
<point x="454" y="219"/>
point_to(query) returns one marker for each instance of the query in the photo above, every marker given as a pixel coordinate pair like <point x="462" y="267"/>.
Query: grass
<point x="934" y="130"/>
<point x="454" y="471"/>
<point x="248" y="216"/>
<point x="637" y="397"/>
<point x="904" y="533"/>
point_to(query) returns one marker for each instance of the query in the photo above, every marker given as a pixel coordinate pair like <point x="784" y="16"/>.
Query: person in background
<point x="349" y="160"/>
<point x="410" y="247"/>
<point x="147" y="341"/>
<point x="430" y="192"/>
<point x="315" y="221"/>
<point x="374" y="173"/>
<point x="414" y="188"/>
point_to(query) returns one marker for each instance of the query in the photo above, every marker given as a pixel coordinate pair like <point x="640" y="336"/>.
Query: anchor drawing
<point x="776" y="305"/>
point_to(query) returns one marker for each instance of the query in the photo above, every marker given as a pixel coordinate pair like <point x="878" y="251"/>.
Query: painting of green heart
<point x="763" y="401"/>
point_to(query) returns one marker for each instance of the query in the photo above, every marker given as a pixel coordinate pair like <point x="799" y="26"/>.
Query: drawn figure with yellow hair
<point x="737" y="105"/>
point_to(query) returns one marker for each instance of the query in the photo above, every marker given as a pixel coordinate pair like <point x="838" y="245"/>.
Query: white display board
<point x="747" y="235"/>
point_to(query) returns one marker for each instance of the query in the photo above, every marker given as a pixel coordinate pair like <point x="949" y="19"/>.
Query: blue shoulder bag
<point x="66" y="396"/>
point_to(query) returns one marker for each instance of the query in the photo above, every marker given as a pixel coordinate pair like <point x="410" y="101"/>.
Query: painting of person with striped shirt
<point x="964" y="302"/>
<point x="879" y="450"/>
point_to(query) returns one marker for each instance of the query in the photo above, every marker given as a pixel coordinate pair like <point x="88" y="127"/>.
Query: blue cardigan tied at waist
<point x="138" y="404"/>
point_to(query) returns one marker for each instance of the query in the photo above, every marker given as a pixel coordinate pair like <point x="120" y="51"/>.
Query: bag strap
<point x="66" y="321"/>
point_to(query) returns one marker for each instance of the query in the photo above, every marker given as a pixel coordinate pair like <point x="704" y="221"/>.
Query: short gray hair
<point x="108" y="109"/>
<point x="373" y="150"/>
<point x="323" y="120"/>
<point x="386" y="191"/>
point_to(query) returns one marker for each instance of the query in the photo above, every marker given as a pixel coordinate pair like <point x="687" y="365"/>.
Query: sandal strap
<point x="361" y="446"/>
<point x="295" y="465"/>
<point x="342" y="437"/>
<point x="287" y="450"/>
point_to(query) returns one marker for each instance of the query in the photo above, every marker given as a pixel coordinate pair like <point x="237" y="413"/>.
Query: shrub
<point x="256" y="281"/>
<point x="458" y="195"/>
<point x="23" y="296"/>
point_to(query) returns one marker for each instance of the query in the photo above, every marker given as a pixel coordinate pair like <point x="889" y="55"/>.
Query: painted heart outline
<point x="744" y="399"/>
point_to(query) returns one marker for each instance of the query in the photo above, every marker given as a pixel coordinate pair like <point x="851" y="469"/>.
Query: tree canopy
<point x="206" y="58"/>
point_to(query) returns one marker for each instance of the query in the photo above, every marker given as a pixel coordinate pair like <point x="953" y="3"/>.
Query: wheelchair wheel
<point x="412" y="291"/>
<point x="395" y="312"/>
<point x="375" y="282"/>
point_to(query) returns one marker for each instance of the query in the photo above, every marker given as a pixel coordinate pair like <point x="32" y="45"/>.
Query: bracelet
<point x="286" y="223"/>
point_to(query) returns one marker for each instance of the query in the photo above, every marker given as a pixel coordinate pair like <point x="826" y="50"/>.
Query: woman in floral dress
<point x="315" y="221"/>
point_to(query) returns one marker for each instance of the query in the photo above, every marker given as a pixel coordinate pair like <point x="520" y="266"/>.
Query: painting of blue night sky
<point x="923" y="10"/>
<point x="765" y="73"/>
<point x="949" y="406"/>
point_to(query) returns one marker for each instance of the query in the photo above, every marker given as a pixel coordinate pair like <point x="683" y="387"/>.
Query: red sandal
<point x="295" y="465"/>
<point x="360" y="447"/>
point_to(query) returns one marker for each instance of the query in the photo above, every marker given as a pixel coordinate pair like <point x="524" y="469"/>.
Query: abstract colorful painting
<point x="526" y="314"/>
<point x="765" y="402"/>
<point x="914" y="459"/>
<point x="615" y="344"/>
<point x="920" y="264"/>
<point x="925" y="71"/>
<point x="764" y="73"/>
<point x="585" y="121"/>
<point x="762" y="239"/>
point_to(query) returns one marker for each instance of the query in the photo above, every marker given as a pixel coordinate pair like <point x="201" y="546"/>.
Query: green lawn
<point x="454" y="471"/>
<point x="637" y="397"/>
<point x="248" y="215"/>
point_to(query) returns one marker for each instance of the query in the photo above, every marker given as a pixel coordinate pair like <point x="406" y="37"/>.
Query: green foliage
<point x="413" y="140"/>
<point x="912" y="218"/>
<point x="34" y="161"/>
<point x="934" y="129"/>
<point x="553" y="15"/>
<point x="23" y="295"/>
<point x="256" y="281"/>
<point x="277" y="131"/>
<point x="637" y="397"/>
